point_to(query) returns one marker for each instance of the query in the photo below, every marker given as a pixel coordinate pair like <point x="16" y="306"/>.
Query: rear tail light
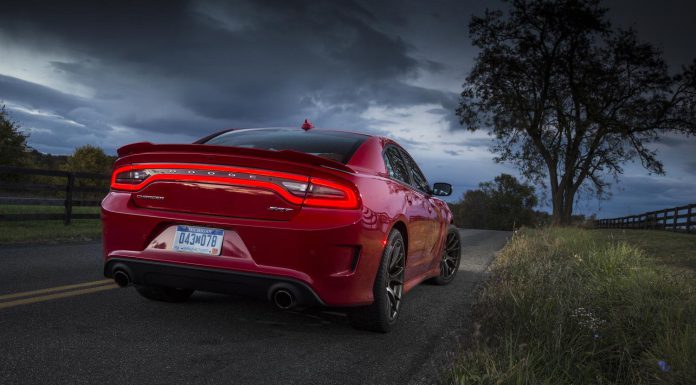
<point x="132" y="177"/>
<point x="296" y="189"/>
<point x="324" y="193"/>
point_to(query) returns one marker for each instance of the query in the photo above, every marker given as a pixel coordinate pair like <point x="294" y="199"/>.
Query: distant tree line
<point x="14" y="151"/>
<point x="502" y="204"/>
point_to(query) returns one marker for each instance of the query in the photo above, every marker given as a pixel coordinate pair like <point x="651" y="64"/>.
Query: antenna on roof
<point x="307" y="125"/>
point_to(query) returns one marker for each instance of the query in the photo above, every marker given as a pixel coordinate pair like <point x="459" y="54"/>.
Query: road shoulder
<point x="478" y="254"/>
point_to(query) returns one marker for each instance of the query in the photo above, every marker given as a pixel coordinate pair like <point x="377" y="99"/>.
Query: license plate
<point x="202" y="240"/>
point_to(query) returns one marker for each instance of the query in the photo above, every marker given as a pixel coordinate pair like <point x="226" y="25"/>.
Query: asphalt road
<point x="94" y="333"/>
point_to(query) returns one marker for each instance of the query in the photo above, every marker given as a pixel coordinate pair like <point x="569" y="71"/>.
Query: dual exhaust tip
<point x="282" y="298"/>
<point x="121" y="278"/>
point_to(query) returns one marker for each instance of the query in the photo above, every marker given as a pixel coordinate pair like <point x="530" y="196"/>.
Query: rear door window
<point x="395" y="165"/>
<point x="419" y="181"/>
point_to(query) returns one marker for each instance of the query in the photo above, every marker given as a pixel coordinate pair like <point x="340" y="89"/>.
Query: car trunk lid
<point x="219" y="180"/>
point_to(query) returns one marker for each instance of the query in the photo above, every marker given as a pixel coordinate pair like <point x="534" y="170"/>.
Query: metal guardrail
<point x="69" y="188"/>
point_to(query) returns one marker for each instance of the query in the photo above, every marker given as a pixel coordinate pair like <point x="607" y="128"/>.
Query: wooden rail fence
<point x="69" y="189"/>
<point x="682" y="219"/>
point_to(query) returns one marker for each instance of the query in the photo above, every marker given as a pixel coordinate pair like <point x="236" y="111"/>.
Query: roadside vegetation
<point x="503" y="203"/>
<point x="40" y="209"/>
<point x="48" y="231"/>
<point x="573" y="306"/>
<point x="15" y="152"/>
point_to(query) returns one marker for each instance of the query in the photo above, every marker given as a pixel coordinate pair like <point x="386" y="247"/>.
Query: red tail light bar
<point x="296" y="189"/>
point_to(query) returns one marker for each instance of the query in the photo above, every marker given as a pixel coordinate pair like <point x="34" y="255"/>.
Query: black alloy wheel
<point x="451" y="257"/>
<point x="388" y="289"/>
<point x="395" y="283"/>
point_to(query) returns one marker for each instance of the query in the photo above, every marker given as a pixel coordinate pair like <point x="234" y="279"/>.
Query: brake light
<point x="296" y="189"/>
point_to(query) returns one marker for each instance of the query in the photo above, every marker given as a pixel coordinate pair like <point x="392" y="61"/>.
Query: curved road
<point x="93" y="333"/>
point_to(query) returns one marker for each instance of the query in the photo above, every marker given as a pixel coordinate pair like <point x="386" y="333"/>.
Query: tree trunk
<point x="556" y="192"/>
<point x="562" y="201"/>
<point x="557" y="215"/>
<point x="567" y="213"/>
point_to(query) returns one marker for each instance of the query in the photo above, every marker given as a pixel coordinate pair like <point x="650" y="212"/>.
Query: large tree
<point x="569" y="98"/>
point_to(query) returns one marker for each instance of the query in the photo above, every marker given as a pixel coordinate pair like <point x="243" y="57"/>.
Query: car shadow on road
<point x="250" y="310"/>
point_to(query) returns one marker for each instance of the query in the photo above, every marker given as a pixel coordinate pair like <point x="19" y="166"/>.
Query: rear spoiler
<point x="286" y="155"/>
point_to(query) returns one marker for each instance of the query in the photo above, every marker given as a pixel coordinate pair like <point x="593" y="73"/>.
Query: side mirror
<point x="442" y="189"/>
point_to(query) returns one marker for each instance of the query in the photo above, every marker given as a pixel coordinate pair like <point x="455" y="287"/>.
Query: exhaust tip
<point x="121" y="278"/>
<point x="283" y="299"/>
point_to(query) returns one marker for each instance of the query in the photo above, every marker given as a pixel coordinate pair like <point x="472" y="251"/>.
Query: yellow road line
<point x="54" y="289"/>
<point x="49" y="297"/>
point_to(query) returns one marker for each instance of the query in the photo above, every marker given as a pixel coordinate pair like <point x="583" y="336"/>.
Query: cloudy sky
<point x="109" y="73"/>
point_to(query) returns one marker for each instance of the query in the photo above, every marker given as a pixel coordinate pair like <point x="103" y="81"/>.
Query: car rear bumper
<point x="212" y="280"/>
<point x="334" y="256"/>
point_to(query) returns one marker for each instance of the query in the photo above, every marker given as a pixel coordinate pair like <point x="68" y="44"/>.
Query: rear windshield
<point x="338" y="146"/>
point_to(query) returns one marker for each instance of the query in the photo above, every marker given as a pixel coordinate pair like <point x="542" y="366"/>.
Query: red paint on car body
<point x="331" y="241"/>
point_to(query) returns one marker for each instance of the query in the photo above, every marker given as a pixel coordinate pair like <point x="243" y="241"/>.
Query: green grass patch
<point x="49" y="231"/>
<point x="666" y="247"/>
<point x="42" y="209"/>
<point x="572" y="306"/>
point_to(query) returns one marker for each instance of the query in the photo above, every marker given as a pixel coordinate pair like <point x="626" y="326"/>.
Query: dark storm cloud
<point x="638" y="194"/>
<point x="667" y="24"/>
<point x="478" y="142"/>
<point x="674" y="140"/>
<point x="690" y="167"/>
<point x="37" y="96"/>
<point x="241" y="63"/>
<point x="52" y="139"/>
<point x="113" y="72"/>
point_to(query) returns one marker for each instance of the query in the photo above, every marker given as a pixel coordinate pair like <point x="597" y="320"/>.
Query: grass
<point x="40" y="209"/>
<point x="572" y="306"/>
<point x="48" y="231"/>
<point x="43" y="231"/>
<point x="669" y="248"/>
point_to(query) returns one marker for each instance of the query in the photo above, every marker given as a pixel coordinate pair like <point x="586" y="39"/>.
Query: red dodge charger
<point x="301" y="217"/>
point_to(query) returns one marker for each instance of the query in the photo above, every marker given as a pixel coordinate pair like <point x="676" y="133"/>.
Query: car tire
<point x="382" y="314"/>
<point x="451" y="257"/>
<point x="164" y="294"/>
